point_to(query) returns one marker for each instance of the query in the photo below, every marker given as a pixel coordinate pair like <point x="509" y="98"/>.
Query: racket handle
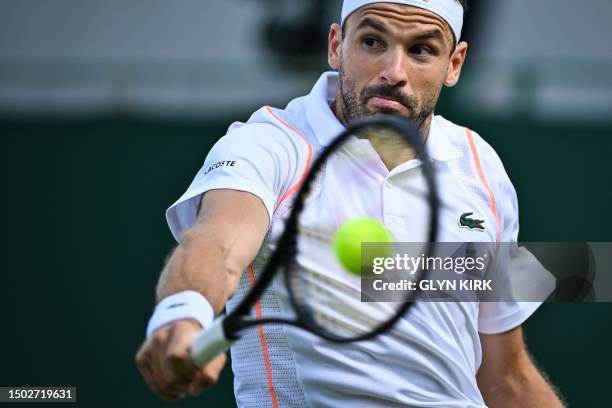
<point x="209" y="343"/>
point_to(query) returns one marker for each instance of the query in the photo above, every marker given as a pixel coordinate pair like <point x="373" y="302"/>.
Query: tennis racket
<point x="325" y="299"/>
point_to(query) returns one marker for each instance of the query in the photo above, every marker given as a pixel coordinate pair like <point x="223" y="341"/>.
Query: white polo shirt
<point x="431" y="357"/>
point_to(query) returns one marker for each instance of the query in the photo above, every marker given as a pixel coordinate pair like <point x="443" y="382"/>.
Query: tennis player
<point x="390" y="57"/>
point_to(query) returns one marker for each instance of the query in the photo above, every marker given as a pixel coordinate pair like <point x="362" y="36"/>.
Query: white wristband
<point x="183" y="305"/>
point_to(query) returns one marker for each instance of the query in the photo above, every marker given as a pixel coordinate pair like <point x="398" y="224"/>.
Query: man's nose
<point x="394" y="70"/>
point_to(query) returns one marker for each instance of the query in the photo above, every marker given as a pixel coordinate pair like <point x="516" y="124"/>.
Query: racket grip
<point x="209" y="343"/>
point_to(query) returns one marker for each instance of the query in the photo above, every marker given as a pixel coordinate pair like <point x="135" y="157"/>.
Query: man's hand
<point x="166" y="366"/>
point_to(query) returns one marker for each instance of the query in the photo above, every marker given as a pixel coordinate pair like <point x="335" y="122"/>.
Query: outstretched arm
<point x="214" y="252"/>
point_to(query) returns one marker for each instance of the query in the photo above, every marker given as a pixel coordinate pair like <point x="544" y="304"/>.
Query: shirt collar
<point x="321" y="118"/>
<point x="327" y="127"/>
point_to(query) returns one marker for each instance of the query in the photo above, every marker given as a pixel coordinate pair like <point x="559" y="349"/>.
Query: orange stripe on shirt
<point x="483" y="179"/>
<point x="293" y="189"/>
<point x="264" y="344"/>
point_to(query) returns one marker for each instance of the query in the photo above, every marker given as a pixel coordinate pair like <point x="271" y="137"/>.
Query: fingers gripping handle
<point x="209" y="343"/>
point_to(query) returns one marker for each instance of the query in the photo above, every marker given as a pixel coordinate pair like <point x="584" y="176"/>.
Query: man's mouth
<point x="385" y="102"/>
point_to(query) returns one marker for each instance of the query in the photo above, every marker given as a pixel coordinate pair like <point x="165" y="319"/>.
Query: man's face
<point x="393" y="59"/>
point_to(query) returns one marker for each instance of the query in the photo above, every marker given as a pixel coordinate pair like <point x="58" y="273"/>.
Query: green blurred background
<point x="87" y="178"/>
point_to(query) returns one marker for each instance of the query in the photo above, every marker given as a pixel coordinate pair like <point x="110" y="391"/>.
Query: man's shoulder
<point x="470" y="140"/>
<point x="267" y="131"/>
<point x="459" y="134"/>
<point x="263" y="121"/>
<point x="475" y="147"/>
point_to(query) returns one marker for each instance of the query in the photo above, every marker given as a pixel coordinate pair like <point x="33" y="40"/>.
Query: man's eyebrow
<point x="433" y="34"/>
<point x="368" y="22"/>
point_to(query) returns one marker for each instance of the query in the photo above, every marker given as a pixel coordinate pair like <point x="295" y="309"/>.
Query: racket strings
<point x="334" y="304"/>
<point x="323" y="236"/>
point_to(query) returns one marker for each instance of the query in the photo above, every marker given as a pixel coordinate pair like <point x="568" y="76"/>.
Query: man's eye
<point x="421" y="50"/>
<point x="371" y="42"/>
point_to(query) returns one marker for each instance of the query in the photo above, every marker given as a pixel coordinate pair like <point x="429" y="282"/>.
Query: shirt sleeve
<point x="502" y="316"/>
<point x="257" y="158"/>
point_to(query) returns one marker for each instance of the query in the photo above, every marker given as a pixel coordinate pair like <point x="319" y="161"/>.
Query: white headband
<point x="450" y="10"/>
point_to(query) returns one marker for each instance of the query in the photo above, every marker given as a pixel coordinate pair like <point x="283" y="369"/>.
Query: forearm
<point x="200" y="263"/>
<point x="522" y="387"/>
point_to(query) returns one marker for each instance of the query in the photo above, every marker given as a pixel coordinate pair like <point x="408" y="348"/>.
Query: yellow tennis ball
<point x="350" y="236"/>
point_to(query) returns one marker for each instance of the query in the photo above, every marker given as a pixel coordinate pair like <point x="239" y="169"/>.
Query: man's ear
<point x="456" y="64"/>
<point x="334" y="46"/>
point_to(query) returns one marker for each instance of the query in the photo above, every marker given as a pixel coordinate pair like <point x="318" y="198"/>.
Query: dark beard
<point x="354" y="106"/>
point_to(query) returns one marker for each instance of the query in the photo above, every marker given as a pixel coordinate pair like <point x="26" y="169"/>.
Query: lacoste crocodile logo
<point x="472" y="224"/>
